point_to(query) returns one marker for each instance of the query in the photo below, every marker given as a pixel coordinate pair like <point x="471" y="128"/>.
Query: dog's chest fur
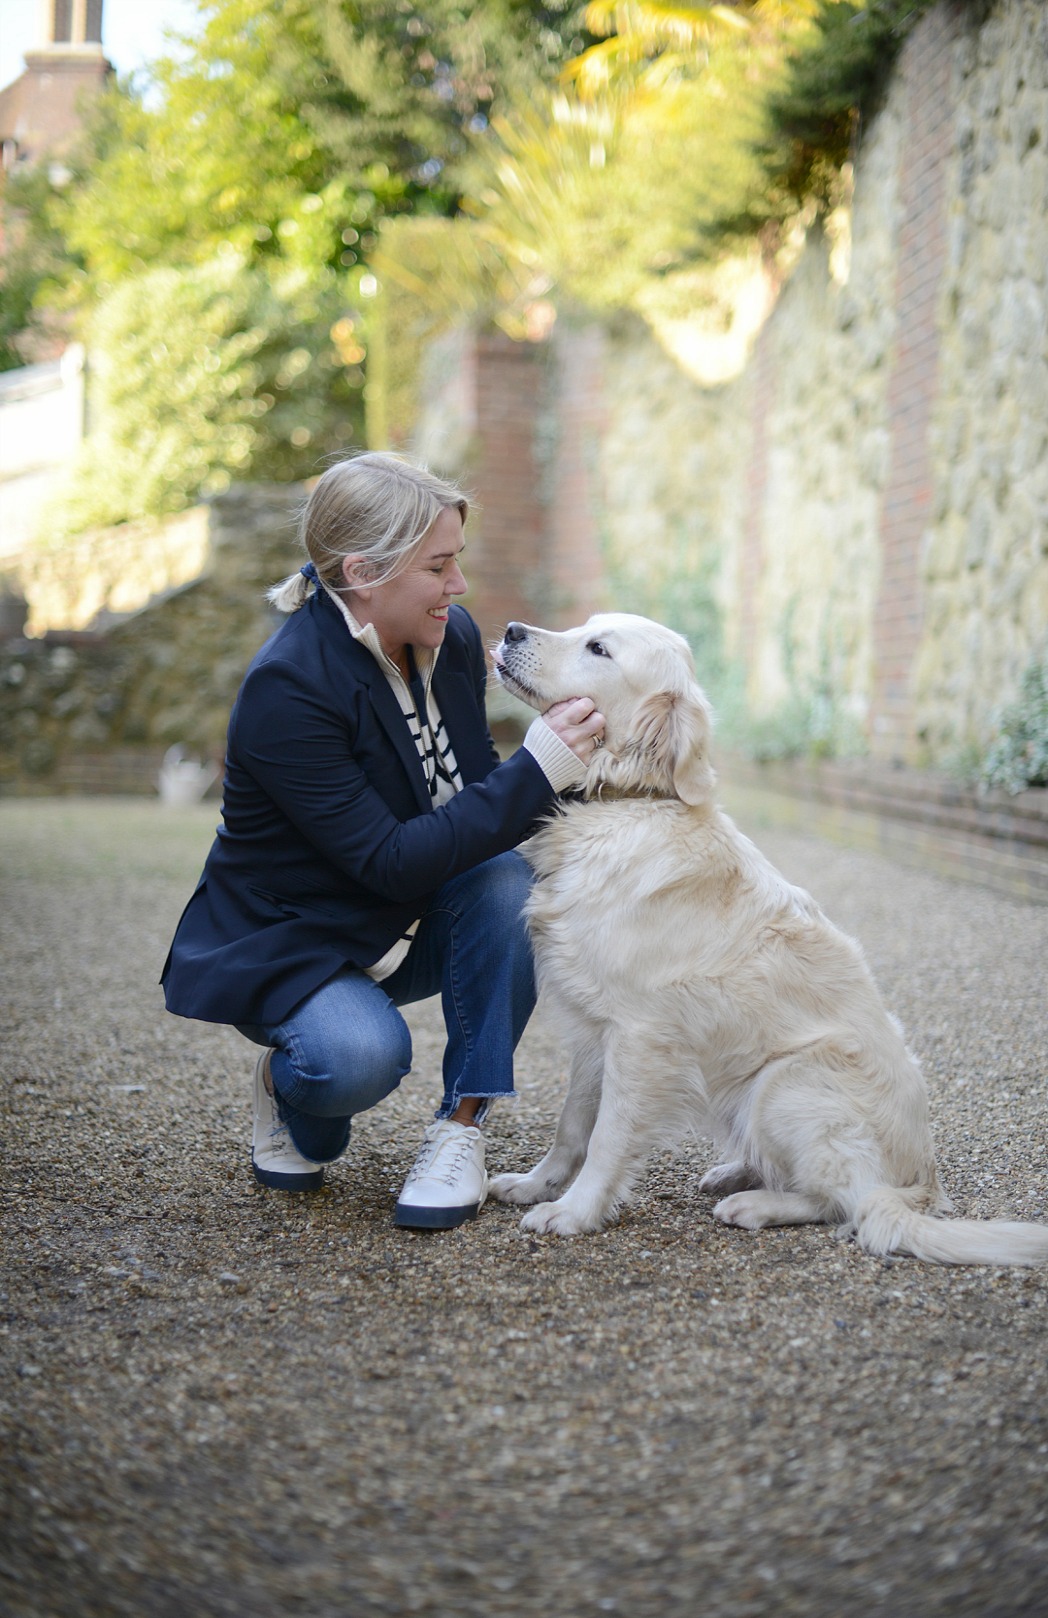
<point x="614" y="876"/>
<point x="652" y="910"/>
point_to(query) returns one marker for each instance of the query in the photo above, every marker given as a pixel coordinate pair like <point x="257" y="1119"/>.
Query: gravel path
<point x="220" y="1400"/>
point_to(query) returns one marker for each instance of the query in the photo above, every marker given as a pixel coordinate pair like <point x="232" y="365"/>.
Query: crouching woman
<point x="367" y="852"/>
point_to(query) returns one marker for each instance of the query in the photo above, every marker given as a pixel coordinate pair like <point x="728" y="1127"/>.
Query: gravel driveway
<point x="220" y="1400"/>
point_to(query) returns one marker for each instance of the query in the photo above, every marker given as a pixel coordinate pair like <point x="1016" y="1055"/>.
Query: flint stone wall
<point x="96" y="710"/>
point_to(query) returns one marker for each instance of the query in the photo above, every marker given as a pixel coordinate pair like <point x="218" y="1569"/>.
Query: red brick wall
<point x="506" y="541"/>
<point x="925" y="71"/>
<point x="533" y="549"/>
<point x="571" y="440"/>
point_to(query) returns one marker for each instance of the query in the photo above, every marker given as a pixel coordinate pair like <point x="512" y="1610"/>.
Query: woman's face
<point x="411" y="609"/>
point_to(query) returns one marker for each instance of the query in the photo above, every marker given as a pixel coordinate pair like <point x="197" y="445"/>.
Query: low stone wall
<point x="97" y="578"/>
<point x="993" y="839"/>
<point x="82" y="710"/>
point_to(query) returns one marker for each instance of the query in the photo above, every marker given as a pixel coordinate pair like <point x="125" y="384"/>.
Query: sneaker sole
<point x="288" y="1182"/>
<point x="433" y="1218"/>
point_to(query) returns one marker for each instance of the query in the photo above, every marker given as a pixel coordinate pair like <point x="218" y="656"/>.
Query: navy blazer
<point x="330" y="845"/>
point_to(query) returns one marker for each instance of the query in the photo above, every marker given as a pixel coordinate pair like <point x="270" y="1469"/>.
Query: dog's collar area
<point x="604" y="792"/>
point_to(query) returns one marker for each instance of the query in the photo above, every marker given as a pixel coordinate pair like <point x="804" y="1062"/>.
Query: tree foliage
<point x="204" y="374"/>
<point x="643" y="162"/>
<point x="683" y="134"/>
<point x="293" y="126"/>
<point x="248" y="184"/>
<point x="482" y="156"/>
<point x="833" y="81"/>
<point x="34" y="256"/>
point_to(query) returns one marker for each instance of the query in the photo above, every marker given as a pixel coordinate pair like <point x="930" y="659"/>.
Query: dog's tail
<point x="886" y="1222"/>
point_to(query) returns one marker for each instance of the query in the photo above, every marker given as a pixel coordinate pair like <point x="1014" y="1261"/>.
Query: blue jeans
<point x="346" y="1047"/>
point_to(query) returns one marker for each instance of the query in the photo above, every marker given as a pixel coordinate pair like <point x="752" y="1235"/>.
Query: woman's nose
<point x="457" y="585"/>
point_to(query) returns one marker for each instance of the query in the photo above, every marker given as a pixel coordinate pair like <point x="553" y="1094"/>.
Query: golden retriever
<point x="697" y="989"/>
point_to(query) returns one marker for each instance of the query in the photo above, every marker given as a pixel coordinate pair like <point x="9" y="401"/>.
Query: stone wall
<point x="984" y="555"/>
<point x="95" y="578"/>
<point x="95" y="710"/>
<point x="866" y="504"/>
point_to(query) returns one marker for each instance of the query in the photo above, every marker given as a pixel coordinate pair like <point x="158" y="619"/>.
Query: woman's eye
<point x="596" y="647"/>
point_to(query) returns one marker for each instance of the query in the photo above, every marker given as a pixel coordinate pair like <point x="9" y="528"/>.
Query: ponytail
<point x="291" y="593"/>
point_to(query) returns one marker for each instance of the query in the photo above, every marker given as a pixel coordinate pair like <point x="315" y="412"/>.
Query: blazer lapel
<point x="458" y="707"/>
<point x="383" y="700"/>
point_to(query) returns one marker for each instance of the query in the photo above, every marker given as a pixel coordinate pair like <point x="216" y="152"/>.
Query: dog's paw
<point x="747" y="1209"/>
<point x="727" y="1177"/>
<point x="556" y="1219"/>
<point x="519" y="1188"/>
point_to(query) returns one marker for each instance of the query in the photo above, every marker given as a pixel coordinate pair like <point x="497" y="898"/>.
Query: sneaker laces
<point x="279" y="1139"/>
<point x="455" y="1149"/>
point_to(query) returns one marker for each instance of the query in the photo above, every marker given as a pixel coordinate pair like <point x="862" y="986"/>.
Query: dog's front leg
<point x="642" y="1099"/>
<point x="561" y="1162"/>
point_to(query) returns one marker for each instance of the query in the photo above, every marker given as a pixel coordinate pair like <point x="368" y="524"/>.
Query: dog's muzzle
<point x="513" y="659"/>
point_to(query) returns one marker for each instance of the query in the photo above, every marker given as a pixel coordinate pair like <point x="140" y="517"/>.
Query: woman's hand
<point x="578" y="724"/>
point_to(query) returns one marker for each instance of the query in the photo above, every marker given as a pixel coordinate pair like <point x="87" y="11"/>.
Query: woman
<point x="366" y="856"/>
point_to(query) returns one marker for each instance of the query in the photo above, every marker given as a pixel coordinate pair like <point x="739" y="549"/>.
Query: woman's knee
<point x="344" y="1069"/>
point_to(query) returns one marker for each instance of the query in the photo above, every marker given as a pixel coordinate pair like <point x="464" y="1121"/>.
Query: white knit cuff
<point x="561" y="767"/>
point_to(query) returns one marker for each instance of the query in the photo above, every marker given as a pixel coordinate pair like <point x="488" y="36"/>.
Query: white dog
<point x="697" y="989"/>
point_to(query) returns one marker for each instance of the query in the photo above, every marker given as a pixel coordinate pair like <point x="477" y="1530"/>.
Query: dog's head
<point x="642" y="678"/>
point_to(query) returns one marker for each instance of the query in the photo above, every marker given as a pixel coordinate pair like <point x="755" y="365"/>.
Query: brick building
<point x="41" y="110"/>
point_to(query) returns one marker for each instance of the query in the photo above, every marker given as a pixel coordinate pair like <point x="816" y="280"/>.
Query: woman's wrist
<point x="561" y="767"/>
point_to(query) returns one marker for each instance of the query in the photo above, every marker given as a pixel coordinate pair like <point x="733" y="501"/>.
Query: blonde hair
<point x="374" y="505"/>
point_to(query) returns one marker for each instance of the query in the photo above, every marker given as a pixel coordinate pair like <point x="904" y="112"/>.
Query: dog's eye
<point x="597" y="648"/>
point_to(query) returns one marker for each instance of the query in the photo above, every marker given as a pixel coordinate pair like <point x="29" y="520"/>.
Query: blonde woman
<point x="366" y="856"/>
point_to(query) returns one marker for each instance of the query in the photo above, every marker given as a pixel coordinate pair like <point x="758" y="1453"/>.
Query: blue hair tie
<point x="309" y="572"/>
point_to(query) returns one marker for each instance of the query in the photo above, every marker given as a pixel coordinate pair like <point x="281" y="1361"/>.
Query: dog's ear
<point x="674" y="730"/>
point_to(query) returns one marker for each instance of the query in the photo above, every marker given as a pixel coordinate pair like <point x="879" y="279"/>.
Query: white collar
<point x="425" y="656"/>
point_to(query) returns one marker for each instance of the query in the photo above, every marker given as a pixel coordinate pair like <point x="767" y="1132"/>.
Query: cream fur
<point x="697" y="989"/>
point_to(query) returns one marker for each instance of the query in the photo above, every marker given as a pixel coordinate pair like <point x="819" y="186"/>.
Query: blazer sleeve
<point x="298" y="747"/>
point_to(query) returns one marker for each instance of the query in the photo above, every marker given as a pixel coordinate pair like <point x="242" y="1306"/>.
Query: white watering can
<point x="183" y="780"/>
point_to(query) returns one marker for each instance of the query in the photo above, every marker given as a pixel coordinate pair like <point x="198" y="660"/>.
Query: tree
<point x="34" y="254"/>
<point x="294" y="126"/>
<point x="205" y="374"/>
<point x="644" y="162"/>
<point x="269" y="152"/>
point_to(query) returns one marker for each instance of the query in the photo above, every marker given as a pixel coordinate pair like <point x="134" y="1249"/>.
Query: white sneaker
<point x="274" y="1158"/>
<point x="448" y="1183"/>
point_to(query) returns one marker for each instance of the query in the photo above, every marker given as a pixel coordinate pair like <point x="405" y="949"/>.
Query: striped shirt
<point x="428" y="732"/>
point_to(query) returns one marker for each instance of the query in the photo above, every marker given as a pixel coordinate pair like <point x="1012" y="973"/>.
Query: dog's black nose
<point x="515" y="632"/>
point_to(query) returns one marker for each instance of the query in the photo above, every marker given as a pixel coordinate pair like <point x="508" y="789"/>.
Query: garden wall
<point x="95" y="709"/>
<point x="858" y="521"/>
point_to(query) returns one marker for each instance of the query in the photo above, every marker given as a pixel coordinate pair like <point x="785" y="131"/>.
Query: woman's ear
<point x="357" y="574"/>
